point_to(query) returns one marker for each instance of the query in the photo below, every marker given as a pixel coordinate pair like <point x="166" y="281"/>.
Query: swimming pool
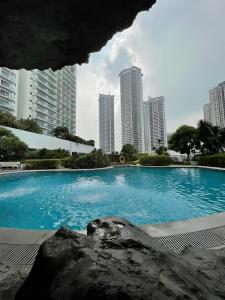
<point x="48" y="200"/>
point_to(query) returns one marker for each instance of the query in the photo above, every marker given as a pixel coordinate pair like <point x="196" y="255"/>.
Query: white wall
<point x="38" y="141"/>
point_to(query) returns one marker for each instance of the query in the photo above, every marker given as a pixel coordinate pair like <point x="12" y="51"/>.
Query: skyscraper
<point x="8" y="90"/>
<point x="155" y="124"/>
<point x="132" y="107"/>
<point x="217" y="102"/>
<point x="106" y="123"/>
<point x="49" y="97"/>
<point x="207" y="113"/>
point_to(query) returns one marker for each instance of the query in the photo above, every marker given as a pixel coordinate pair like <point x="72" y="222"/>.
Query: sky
<point x="179" y="46"/>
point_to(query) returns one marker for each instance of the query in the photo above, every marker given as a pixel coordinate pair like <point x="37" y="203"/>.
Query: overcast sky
<point x="180" y="47"/>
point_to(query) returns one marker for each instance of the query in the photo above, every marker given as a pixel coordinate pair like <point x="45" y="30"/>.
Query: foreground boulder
<point x="116" y="260"/>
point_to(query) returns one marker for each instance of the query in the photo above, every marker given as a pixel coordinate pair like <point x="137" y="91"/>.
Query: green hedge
<point x="37" y="164"/>
<point x="215" y="160"/>
<point x="67" y="162"/>
<point x="155" y="160"/>
<point x="95" y="159"/>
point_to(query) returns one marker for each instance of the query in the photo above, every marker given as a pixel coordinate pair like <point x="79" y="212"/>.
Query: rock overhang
<point x="51" y="34"/>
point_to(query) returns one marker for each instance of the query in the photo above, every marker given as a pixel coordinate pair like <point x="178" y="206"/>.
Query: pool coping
<point x="30" y="236"/>
<point x="19" y="171"/>
<point x="186" y="226"/>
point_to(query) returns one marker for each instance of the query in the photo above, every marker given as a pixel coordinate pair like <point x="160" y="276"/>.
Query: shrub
<point x="29" y="125"/>
<point x="176" y="161"/>
<point x="7" y="119"/>
<point x="215" y="160"/>
<point x="95" y="159"/>
<point x="114" y="158"/>
<point x="161" y="150"/>
<point x="155" y="160"/>
<point x="67" y="162"/>
<point x="37" y="164"/>
<point x="47" y="154"/>
<point x="63" y="133"/>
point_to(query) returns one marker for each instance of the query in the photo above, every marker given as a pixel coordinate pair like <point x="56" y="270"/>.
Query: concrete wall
<point x="38" y="141"/>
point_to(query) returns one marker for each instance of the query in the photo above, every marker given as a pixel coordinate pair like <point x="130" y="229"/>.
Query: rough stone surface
<point x="11" y="279"/>
<point x="116" y="260"/>
<point x="53" y="33"/>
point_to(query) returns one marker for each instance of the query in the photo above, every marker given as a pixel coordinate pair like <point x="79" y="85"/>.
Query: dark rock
<point x="54" y="33"/>
<point x="116" y="260"/>
<point x="11" y="279"/>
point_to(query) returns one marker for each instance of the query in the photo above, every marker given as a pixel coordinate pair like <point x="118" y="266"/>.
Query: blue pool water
<point x="47" y="200"/>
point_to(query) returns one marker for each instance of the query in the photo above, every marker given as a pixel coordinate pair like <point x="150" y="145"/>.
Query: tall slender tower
<point x="49" y="97"/>
<point x="207" y="112"/>
<point x="155" y="124"/>
<point x="132" y="108"/>
<point x="106" y="123"/>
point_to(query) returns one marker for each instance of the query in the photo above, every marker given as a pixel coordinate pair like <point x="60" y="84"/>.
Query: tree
<point x="184" y="140"/>
<point x="63" y="133"/>
<point x="128" y="151"/>
<point x="11" y="147"/>
<point x="211" y="138"/>
<point x="60" y="132"/>
<point x="7" y="119"/>
<point x="29" y="125"/>
<point x="161" y="150"/>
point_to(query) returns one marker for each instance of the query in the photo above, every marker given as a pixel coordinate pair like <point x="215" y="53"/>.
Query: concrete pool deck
<point x="187" y="226"/>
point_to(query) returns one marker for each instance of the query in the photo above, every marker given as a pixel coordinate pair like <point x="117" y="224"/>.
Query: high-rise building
<point x="49" y="97"/>
<point x="207" y="113"/>
<point x="217" y="102"/>
<point x="8" y="90"/>
<point x="132" y="107"/>
<point x="155" y="124"/>
<point x="106" y="123"/>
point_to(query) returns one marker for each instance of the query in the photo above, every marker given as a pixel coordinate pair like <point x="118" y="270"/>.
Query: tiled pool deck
<point x="21" y="246"/>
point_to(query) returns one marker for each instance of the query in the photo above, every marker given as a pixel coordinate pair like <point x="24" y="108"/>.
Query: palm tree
<point x="211" y="138"/>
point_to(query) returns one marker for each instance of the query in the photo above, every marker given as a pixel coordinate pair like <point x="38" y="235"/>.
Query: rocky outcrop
<point x="51" y="34"/>
<point x="116" y="260"/>
<point x="11" y="279"/>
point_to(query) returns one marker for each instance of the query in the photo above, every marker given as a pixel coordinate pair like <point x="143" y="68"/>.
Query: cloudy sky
<point x="180" y="47"/>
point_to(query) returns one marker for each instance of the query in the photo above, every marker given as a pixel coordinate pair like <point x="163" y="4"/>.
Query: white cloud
<point x="178" y="44"/>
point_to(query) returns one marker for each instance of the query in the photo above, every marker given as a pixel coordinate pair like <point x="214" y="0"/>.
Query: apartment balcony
<point x="46" y="107"/>
<point x="9" y="77"/>
<point x="8" y="88"/>
<point x="45" y="91"/>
